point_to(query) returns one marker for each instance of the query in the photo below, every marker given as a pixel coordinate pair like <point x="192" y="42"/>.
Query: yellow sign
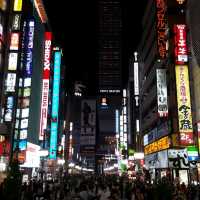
<point x="17" y="5"/>
<point x="184" y="105"/>
<point x="158" y="145"/>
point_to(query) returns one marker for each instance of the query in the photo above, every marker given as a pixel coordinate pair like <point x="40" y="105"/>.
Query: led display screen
<point x="55" y="105"/>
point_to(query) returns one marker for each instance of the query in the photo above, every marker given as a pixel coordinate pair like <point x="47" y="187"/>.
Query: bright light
<point x="71" y="165"/>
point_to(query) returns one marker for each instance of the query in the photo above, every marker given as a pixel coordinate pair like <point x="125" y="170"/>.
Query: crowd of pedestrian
<point x="91" y="187"/>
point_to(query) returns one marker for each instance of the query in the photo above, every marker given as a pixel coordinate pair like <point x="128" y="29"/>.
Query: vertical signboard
<point x="161" y="27"/>
<point x="198" y="131"/>
<point x="45" y="85"/>
<point x="136" y="78"/>
<point x="184" y="105"/>
<point x="55" y="105"/>
<point x="181" y="52"/>
<point x="162" y="93"/>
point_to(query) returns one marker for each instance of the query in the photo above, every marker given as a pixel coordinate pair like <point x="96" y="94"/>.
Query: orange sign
<point x="41" y="11"/>
<point x="158" y="145"/>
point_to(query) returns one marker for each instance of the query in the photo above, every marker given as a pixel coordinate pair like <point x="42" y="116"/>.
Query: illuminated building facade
<point x="165" y="82"/>
<point x="21" y="85"/>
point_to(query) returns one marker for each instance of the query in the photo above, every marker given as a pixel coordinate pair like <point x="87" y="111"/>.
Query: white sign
<point x="162" y="93"/>
<point x="10" y="82"/>
<point x="44" y="107"/>
<point x="136" y="78"/>
<point x="24" y="123"/>
<point x="178" y="158"/>
<point x="12" y="62"/>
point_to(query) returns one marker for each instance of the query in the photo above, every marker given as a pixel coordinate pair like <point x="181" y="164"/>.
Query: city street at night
<point x="99" y="100"/>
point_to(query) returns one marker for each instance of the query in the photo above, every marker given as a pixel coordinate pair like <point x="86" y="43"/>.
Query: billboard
<point x="55" y="105"/>
<point x="45" y="84"/>
<point x="184" y="105"/>
<point x="16" y="22"/>
<point x="9" y="109"/>
<point x="181" y="52"/>
<point x="161" y="27"/>
<point x="162" y="93"/>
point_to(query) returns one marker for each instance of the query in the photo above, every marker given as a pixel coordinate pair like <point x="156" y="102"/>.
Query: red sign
<point x="186" y="138"/>
<point x="47" y="55"/>
<point x="161" y="27"/>
<point x="181" y="52"/>
<point x="45" y="85"/>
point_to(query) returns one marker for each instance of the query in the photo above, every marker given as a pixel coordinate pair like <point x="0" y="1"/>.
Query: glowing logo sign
<point x="55" y="105"/>
<point x="17" y="5"/>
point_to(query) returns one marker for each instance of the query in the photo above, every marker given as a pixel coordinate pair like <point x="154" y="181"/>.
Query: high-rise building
<point x="109" y="78"/>
<point x="109" y="46"/>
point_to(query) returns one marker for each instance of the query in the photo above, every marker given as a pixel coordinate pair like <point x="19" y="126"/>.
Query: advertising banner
<point x="181" y="52"/>
<point x="14" y="42"/>
<point x="45" y="84"/>
<point x="12" y="61"/>
<point x="161" y="27"/>
<point x="184" y="105"/>
<point x="55" y="105"/>
<point x="162" y="93"/>
<point x="198" y="132"/>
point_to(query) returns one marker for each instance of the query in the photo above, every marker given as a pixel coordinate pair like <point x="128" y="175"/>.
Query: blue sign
<point x="55" y="105"/>
<point x="29" y="49"/>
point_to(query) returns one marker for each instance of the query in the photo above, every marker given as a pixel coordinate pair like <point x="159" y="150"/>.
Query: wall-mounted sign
<point x="162" y="93"/>
<point x="29" y="49"/>
<point x="158" y="145"/>
<point x="17" y="5"/>
<point x="184" y="105"/>
<point x="161" y="26"/>
<point x="14" y="42"/>
<point x="10" y="82"/>
<point x="12" y="61"/>
<point x="181" y="52"/>
<point x="16" y="22"/>
<point x="136" y="78"/>
<point x="9" y="109"/>
<point x="45" y="84"/>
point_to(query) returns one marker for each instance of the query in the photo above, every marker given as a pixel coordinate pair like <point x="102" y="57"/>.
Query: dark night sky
<point x="74" y="25"/>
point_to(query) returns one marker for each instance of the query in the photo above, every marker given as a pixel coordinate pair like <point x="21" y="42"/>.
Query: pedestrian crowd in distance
<point x="111" y="187"/>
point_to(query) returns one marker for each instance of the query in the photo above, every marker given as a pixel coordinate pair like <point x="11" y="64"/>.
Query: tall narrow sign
<point x="45" y="84"/>
<point x="162" y="93"/>
<point x="55" y="105"/>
